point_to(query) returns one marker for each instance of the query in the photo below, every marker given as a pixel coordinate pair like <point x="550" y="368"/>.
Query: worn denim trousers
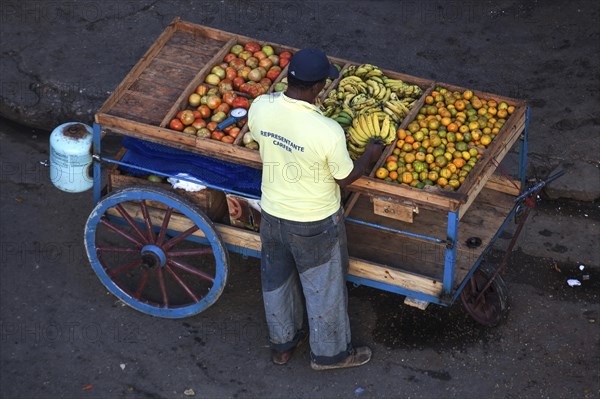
<point x="309" y="258"/>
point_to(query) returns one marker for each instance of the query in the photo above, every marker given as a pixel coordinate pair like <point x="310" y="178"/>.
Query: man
<point x="305" y="162"/>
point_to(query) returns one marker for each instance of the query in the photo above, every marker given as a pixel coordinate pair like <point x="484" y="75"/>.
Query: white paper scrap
<point x="186" y="185"/>
<point x="573" y="282"/>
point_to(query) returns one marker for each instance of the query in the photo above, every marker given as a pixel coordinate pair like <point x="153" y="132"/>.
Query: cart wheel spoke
<point x="190" y="252"/>
<point x="185" y="267"/>
<point x="175" y="240"/>
<point x="182" y="284"/>
<point x="149" y="232"/>
<point x="117" y="249"/>
<point x="132" y="223"/>
<point x="165" y="225"/>
<point x="163" y="288"/>
<point x="162" y="269"/>
<point x="125" y="267"/>
<point x="117" y="230"/>
<point x="143" y="282"/>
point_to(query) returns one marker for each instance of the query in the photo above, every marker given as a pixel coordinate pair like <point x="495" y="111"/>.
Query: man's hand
<point x="374" y="149"/>
<point x="369" y="157"/>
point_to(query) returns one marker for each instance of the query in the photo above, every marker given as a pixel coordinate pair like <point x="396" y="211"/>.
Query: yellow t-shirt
<point x="302" y="152"/>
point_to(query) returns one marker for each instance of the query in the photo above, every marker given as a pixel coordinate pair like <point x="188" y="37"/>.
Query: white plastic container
<point x="71" y="157"/>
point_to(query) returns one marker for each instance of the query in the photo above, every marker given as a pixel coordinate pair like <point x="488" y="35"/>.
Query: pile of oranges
<point x="442" y="145"/>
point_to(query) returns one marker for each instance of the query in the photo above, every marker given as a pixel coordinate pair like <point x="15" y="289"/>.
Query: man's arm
<point x="370" y="156"/>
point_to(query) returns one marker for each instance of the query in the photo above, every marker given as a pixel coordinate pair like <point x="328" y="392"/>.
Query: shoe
<point x="282" y="358"/>
<point x="358" y="357"/>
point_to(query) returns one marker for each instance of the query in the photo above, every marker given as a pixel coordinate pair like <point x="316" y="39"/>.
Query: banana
<point x="370" y="124"/>
<point x="385" y="125"/>
<point x="356" y="149"/>
<point x="360" y="134"/>
<point x="376" y="126"/>
<point x="392" y="136"/>
<point x="377" y="79"/>
<point x="363" y="125"/>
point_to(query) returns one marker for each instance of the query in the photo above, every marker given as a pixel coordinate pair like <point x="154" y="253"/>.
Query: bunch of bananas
<point x="365" y="91"/>
<point x="368" y="126"/>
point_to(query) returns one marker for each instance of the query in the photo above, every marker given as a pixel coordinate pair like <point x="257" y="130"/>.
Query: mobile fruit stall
<point x="164" y="251"/>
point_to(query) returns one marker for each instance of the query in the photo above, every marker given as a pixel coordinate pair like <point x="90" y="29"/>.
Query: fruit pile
<point x="250" y="69"/>
<point x="445" y="141"/>
<point x="367" y="103"/>
<point x="207" y="107"/>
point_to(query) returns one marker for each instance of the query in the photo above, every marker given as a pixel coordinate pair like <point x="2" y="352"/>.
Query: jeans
<point x="309" y="258"/>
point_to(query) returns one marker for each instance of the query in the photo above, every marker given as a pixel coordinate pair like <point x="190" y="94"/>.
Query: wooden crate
<point x="212" y="202"/>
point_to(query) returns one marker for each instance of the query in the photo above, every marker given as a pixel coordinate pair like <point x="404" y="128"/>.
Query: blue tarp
<point x="172" y="161"/>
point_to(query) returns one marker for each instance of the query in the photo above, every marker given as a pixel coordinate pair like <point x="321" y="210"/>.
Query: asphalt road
<point x="62" y="335"/>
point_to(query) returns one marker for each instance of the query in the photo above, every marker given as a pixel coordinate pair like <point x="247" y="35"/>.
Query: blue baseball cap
<point x="311" y="65"/>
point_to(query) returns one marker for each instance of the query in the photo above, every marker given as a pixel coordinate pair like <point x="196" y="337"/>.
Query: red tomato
<point x="259" y="55"/>
<point x="283" y="62"/>
<point x="213" y="101"/>
<point x="229" y="96"/>
<point x="199" y="123"/>
<point x="240" y="102"/>
<point x="176" y="124"/>
<point x="234" y="132"/>
<point x="204" y="111"/>
<point x="227" y="139"/>
<point x="229" y="57"/>
<point x="253" y="47"/>
<point x="212" y="126"/>
<point x="228" y="129"/>
<point x="224" y="107"/>
<point x="230" y="73"/>
<point x="285" y="54"/>
<point x="197" y="114"/>
<point x="202" y="90"/>
<point x="237" y="82"/>
<point x="217" y="135"/>
<point x="178" y="116"/>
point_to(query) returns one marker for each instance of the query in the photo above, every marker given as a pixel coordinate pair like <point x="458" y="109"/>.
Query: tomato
<point x="227" y="139"/>
<point x="230" y="73"/>
<point x="244" y="55"/>
<point x="224" y="107"/>
<point x="245" y="87"/>
<point x="197" y="114"/>
<point x="199" y="123"/>
<point x="237" y="82"/>
<point x="253" y="47"/>
<point x="225" y="86"/>
<point x="265" y="82"/>
<point x="229" y="96"/>
<point x="252" y="62"/>
<point x="237" y="64"/>
<point x="202" y="90"/>
<point x="283" y="62"/>
<point x="213" y="101"/>
<point x="285" y="54"/>
<point x="234" y="132"/>
<point x="204" y="111"/>
<point x="228" y="129"/>
<point x="265" y="63"/>
<point x="240" y="102"/>
<point x="187" y="117"/>
<point x="229" y="57"/>
<point x="176" y="124"/>
<point x="212" y="126"/>
<point x="259" y="55"/>
<point x="273" y="73"/>
<point x="217" y="135"/>
<point x="178" y="116"/>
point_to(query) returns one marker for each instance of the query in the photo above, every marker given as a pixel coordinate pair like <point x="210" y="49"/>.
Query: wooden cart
<point x="425" y="244"/>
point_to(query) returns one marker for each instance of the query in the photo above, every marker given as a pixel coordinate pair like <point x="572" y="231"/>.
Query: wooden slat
<point x="182" y="101"/>
<point x="398" y="278"/>
<point x="139" y="67"/>
<point x="191" y="56"/>
<point x="393" y="210"/>
<point x="168" y="73"/>
<point x="213" y="148"/>
<point x="425" y="198"/>
<point x="497" y="153"/>
<point x="504" y="184"/>
<point x="164" y="92"/>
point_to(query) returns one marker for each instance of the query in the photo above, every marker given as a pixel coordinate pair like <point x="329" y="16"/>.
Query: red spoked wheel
<point x="485" y="303"/>
<point x="157" y="252"/>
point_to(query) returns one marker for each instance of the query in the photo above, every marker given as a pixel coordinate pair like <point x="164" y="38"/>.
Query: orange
<point x="510" y="109"/>
<point x="452" y="127"/>
<point x="409" y="139"/>
<point x="401" y="134"/>
<point x="391" y="158"/>
<point x="429" y="100"/>
<point x="409" y="158"/>
<point x="393" y="175"/>
<point x="391" y="165"/>
<point x="459" y="162"/>
<point x="382" y="173"/>
<point x="407" y="177"/>
<point x="467" y="95"/>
